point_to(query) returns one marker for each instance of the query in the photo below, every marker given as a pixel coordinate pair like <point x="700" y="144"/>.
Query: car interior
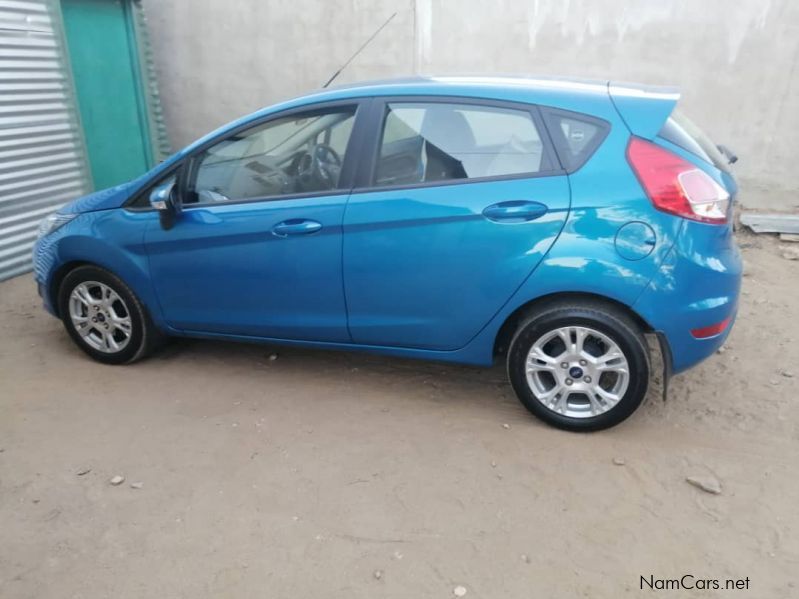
<point x="291" y="155"/>
<point x="441" y="142"/>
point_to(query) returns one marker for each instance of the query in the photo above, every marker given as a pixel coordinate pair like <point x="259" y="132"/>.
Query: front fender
<point x="110" y="239"/>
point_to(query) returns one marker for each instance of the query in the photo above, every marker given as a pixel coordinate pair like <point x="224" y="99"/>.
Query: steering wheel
<point x="320" y="167"/>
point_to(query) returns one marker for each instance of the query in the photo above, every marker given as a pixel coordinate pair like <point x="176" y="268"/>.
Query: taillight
<point x="675" y="185"/>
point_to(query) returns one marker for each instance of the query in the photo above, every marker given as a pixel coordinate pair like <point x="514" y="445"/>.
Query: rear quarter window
<point x="576" y="136"/>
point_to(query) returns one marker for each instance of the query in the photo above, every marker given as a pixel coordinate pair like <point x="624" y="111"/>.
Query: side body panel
<point x="699" y="282"/>
<point x="222" y="269"/>
<point x="587" y="256"/>
<point x="698" y="285"/>
<point x="112" y="239"/>
<point x="425" y="268"/>
<point x="257" y="265"/>
<point x="606" y="199"/>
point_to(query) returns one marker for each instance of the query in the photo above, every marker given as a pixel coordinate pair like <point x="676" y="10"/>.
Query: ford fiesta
<point x="552" y="223"/>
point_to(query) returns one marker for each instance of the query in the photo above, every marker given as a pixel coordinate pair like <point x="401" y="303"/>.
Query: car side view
<point x="554" y="224"/>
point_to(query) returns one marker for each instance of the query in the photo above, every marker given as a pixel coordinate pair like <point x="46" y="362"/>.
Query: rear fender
<point x="593" y="254"/>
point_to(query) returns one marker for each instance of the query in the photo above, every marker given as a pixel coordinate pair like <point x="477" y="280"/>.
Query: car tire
<point x="104" y="317"/>
<point x="579" y="365"/>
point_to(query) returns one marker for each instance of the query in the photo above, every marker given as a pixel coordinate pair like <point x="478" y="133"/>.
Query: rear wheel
<point x="579" y="366"/>
<point x="104" y="317"/>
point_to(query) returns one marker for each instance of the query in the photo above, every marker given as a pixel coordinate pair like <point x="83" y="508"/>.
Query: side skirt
<point x="466" y="355"/>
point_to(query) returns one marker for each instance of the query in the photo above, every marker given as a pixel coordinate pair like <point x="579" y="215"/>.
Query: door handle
<point x="296" y="226"/>
<point x="516" y="211"/>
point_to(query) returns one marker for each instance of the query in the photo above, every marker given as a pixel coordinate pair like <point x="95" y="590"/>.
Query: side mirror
<point x="162" y="199"/>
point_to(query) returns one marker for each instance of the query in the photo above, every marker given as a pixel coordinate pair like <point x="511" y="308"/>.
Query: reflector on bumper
<point x="712" y="330"/>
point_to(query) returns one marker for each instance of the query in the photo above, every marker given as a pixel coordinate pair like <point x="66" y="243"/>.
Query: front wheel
<point x="580" y="366"/>
<point x="104" y="318"/>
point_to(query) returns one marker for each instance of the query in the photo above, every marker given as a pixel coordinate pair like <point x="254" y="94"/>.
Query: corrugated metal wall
<point x="42" y="156"/>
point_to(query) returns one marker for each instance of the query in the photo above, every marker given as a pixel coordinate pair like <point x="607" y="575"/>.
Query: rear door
<point x="458" y="202"/>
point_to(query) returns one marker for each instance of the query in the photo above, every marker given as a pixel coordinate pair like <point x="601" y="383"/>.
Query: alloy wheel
<point x="577" y="371"/>
<point x="100" y="317"/>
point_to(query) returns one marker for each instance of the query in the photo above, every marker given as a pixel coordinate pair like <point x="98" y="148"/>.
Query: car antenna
<point x="358" y="51"/>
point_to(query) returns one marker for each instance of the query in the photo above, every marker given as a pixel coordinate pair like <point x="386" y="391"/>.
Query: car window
<point x="142" y="199"/>
<point x="294" y="154"/>
<point x="576" y="136"/>
<point x="428" y="142"/>
<point x="339" y="136"/>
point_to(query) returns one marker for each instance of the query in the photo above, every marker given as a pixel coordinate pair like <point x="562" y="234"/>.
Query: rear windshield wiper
<point x="728" y="154"/>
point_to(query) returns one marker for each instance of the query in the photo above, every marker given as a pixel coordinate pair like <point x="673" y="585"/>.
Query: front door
<point x="257" y="249"/>
<point x="463" y="201"/>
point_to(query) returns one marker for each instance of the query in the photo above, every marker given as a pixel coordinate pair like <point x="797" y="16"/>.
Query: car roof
<point x="583" y="95"/>
<point x="497" y="86"/>
<point x="441" y="84"/>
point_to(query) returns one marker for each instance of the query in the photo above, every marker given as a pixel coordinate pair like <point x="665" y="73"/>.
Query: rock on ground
<point x="706" y="482"/>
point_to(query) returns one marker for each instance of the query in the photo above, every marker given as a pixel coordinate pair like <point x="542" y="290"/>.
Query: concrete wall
<point x="735" y="61"/>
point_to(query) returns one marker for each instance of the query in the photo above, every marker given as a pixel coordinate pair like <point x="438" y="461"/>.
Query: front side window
<point x="142" y="200"/>
<point x="301" y="153"/>
<point x="428" y="142"/>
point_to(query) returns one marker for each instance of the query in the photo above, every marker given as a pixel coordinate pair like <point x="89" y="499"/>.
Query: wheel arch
<point x="54" y="288"/>
<point x="57" y="279"/>
<point x="509" y="326"/>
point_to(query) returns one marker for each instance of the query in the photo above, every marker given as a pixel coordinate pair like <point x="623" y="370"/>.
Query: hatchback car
<point x="555" y="223"/>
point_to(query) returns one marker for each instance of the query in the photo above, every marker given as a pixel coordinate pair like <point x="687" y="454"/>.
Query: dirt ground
<point x="342" y="475"/>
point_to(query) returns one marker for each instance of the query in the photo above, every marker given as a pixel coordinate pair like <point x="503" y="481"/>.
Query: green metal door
<point x="105" y="66"/>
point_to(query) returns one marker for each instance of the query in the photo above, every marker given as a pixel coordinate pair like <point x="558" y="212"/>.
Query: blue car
<point x="553" y="224"/>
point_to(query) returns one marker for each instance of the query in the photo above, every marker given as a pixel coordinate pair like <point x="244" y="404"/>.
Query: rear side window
<point x="429" y="142"/>
<point x="681" y="131"/>
<point x="576" y="136"/>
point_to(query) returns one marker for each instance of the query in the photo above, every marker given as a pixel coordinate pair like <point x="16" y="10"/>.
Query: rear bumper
<point x="697" y="286"/>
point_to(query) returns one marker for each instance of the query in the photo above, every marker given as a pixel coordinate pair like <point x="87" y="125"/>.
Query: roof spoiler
<point x="643" y="108"/>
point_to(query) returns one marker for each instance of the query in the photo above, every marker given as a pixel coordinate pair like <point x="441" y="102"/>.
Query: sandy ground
<point x="347" y="476"/>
